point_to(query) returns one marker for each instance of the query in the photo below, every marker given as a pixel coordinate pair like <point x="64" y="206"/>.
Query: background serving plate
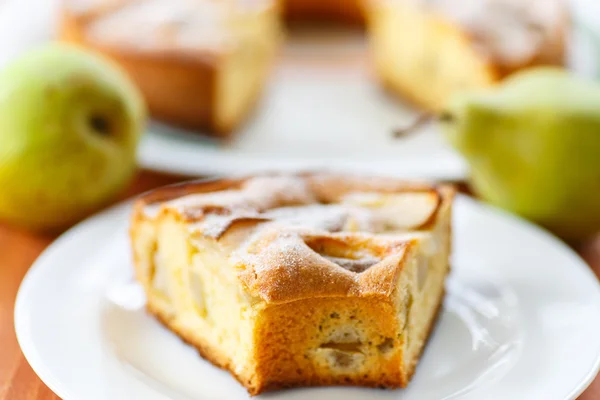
<point x="520" y="322"/>
<point x="322" y="108"/>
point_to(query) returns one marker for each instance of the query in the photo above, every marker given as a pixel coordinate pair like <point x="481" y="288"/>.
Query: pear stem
<point x="446" y="117"/>
<point x="422" y="120"/>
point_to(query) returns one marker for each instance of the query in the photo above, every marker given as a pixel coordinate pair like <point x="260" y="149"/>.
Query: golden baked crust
<point x="314" y="279"/>
<point x="200" y="64"/>
<point x="428" y="50"/>
<point x="344" y="11"/>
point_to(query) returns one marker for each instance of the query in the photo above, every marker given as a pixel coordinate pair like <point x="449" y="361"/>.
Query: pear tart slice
<point x="297" y="280"/>
<point x="428" y="50"/>
<point x="199" y="63"/>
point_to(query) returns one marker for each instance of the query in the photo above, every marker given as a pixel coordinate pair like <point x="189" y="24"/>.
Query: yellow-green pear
<point x="70" y="122"/>
<point x="533" y="145"/>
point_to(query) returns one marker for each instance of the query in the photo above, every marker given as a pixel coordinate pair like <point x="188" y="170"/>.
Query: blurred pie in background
<point x="428" y="50"/>
<point x="202" y="64"/>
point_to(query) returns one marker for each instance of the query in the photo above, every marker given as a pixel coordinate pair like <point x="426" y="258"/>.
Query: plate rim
<point x="213" y="161"/>
<point x="40" y="368"/>
<point x="26" y="344"/>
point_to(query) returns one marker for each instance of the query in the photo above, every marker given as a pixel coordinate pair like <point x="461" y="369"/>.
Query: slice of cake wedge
<point x="427" y="50"/>
<point x="297" y="280"/>
<point x="200" y="64"/>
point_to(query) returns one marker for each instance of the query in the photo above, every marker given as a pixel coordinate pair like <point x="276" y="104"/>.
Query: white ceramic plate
<point x="322" y="108"/>
<point x="521" y="321"/>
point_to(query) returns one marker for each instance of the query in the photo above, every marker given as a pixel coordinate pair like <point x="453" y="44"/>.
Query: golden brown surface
<point x="289" y="216"/>
<point x="325" y="279"/>
<point x="19" y="249"/>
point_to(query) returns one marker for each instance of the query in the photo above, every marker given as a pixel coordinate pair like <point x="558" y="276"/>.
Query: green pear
<point x="70" y="122"/>
<point x="533" y="145"/>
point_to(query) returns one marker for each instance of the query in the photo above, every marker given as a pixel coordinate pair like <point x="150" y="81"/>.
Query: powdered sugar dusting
<point x="231" y="199"/>
<point x="189" y="26"/>
<point x="268" y="248"/>
<point x="257" y="195"/>
<point x="287" y="249"/>
<point x="268" y="192"/>
<point x="510" y="31"/>
<point x="330" y="217"/>
<point x="215" y="225"/>
<point x="287" y="213"/>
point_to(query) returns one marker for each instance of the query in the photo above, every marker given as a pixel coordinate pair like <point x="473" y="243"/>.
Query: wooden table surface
<point x="19" y="249"/>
